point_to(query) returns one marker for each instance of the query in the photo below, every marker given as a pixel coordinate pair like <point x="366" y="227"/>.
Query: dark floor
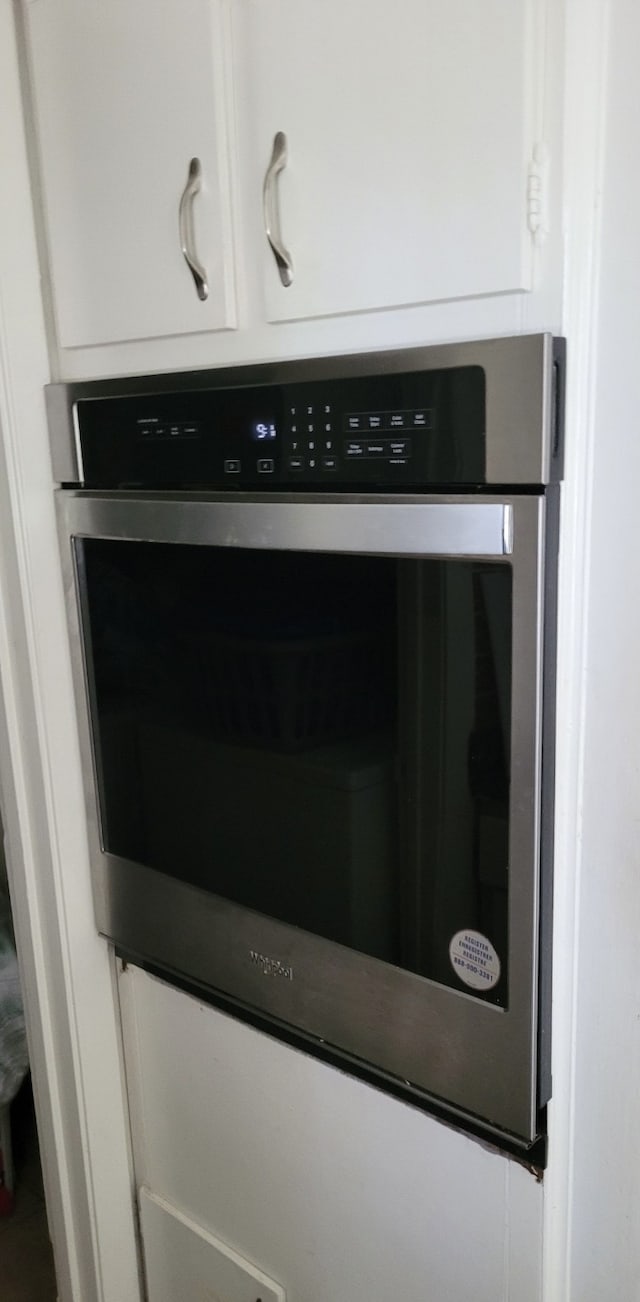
<point x="26" y="1260"/>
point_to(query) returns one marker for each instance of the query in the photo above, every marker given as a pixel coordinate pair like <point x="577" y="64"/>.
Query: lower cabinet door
<point x="185" y="1263"/>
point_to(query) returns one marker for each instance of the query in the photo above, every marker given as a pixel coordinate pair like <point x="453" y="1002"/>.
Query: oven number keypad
<point x="311" y="439"/>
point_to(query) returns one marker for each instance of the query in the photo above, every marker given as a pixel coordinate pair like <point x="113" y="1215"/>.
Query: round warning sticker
<point x="474" y="959"/>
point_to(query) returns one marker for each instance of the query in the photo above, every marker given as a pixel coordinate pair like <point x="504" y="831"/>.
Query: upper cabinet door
<point x="127" y="93"/>
<point x="408" y="134"/>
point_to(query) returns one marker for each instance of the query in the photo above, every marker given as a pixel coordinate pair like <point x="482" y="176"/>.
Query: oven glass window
<point x="322" y="738"/>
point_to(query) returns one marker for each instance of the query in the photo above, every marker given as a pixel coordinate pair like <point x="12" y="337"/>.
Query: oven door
<point x="312" y="734"/>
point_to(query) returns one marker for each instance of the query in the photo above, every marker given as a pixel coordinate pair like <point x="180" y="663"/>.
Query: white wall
<point x="65" y="968"/>
<point x="605" y="1211"/>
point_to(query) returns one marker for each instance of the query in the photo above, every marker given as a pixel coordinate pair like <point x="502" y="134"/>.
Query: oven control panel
<point x="316" y="439"/>
<point x="406" y="430"/>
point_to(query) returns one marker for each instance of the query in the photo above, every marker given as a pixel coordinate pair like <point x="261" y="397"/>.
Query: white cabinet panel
<point x="126" y="93"/>
<point x="332" y="1188"/>
<point x="409" y="132"/>
<point x="185" y="1263"/>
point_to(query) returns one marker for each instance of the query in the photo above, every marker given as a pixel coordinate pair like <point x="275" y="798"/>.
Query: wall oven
<point x="312" y="610"/>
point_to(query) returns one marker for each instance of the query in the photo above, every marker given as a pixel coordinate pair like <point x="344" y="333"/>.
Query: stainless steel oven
<point x="312" y="611"/>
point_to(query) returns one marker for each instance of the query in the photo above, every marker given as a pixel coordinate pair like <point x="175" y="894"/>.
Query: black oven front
<point x="312" y="609"/>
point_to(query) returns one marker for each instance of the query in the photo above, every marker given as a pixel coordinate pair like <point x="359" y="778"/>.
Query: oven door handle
<point x="399" y="528"/>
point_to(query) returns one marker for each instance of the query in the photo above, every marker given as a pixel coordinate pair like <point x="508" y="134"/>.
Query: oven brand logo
<point x="271" y="966"/>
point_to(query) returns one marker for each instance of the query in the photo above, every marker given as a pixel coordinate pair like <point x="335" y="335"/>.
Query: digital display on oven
<point x="263" y="431"/>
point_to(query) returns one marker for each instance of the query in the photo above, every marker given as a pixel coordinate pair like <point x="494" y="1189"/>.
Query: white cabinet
<point x="331" y="1188"/>
<point x="182" y="1260"/>
<point x="408" y="128"/>
<point x="126" y="93"/>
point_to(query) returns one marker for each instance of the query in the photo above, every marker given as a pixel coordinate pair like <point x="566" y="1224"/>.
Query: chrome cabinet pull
<point x="270" y="208"/>
<point x="185" y="221"/>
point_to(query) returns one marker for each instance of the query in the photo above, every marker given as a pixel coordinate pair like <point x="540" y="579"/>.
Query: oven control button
<point x="153" y="431"/>
<point x="400" y="447"/>
<point x="266" y="465"/>
<point x="329" y="463"/>
<point x="421" y="419"/>
<point x="354" y="448"/>
<point x="296" y="463"/>
<point x="232" y="466"/>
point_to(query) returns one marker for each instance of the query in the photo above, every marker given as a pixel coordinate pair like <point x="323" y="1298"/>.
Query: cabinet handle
<point x="185" y="221"/>
<point x="270" y="208"/>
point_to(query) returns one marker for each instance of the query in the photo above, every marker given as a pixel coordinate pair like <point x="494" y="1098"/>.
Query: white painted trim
<point x="586" y="45"/>
<point x="66" y="969"/>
